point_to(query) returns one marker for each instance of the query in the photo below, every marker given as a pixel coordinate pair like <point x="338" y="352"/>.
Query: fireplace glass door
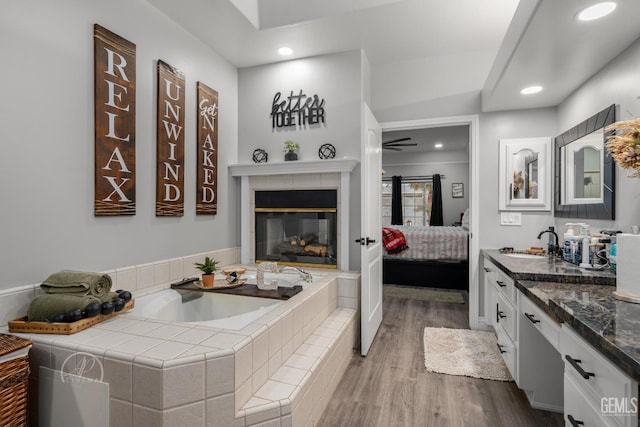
<point x="300" y="236"/>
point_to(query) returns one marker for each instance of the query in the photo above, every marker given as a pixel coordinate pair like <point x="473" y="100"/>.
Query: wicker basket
<point x="14" y="379"/>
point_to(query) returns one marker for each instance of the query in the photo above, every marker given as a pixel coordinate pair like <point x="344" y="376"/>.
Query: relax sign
<point x="115" y="124"/>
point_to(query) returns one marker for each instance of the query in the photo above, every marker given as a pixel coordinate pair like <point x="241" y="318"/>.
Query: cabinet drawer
<point x="489" y="268"/>
<point x="508" y="353"/>
<point x="505" y="286"/>
<point x="506" y="315"/>
<point x="538" y="318"/>
<point x="579" y="409"/>
<point x="592" y="371"/>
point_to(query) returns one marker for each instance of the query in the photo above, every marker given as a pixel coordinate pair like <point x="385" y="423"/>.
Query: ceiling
<point x="452" y="138"/>
<point x="528" y="41"/>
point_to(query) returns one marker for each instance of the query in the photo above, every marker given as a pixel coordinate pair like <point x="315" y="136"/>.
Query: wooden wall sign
<point x="170" y="141"/>
<point x="115" y="124"/>
<point x="207" y="162"/>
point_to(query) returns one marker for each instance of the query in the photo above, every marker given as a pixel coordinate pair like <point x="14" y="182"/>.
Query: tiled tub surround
<point x="280" y="370"/>
<point x="583" y="300"/>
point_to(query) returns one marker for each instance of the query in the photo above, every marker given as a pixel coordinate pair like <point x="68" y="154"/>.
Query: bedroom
<point x="435" y="254"/>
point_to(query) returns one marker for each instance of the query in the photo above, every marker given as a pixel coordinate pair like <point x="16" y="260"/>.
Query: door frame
<point x="473" y="121"/>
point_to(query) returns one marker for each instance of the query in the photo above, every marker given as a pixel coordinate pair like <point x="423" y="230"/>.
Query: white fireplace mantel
<point x="294" y="167"/>
<point x="343" y="167"/>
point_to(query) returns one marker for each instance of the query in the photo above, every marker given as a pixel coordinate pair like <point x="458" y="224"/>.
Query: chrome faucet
<point x="303" y="274"/>
<point x="553" y="247"/>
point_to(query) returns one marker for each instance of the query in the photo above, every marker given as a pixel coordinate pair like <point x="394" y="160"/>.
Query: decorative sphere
<point x="260" y="156"/>
<point x="327" y="151"/>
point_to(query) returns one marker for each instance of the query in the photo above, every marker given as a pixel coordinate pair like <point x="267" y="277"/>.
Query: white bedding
<point x="433" y="243"/>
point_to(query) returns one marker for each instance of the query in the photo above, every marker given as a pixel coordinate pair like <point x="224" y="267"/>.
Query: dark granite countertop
<point x="548" y="269"/>
<point x="585" y="302"/>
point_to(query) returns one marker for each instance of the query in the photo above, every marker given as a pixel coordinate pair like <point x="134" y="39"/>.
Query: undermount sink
<point x="525" y="256"/>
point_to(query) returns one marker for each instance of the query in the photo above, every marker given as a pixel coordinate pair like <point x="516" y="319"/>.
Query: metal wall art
<point x="260" y="156"/>
<point x="327" y="151"/>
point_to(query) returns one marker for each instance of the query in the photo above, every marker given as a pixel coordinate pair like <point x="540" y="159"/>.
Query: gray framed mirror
<point x="584" y="173"/>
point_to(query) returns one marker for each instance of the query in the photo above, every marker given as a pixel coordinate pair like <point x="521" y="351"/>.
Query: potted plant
<point x="290" y="148"/>
<point x="208" y="267"/>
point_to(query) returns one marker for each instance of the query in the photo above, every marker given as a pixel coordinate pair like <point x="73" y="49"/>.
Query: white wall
<point x="338" y="78"/>
<point x="617" y="83"/>
<point x="46" y="169"/>
<point x="453" y="164"/>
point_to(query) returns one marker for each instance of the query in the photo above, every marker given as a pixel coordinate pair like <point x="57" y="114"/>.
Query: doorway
<point x="470" y="123"/>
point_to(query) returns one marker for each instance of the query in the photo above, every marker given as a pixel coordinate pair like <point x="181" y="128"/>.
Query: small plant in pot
<point x="290" y="148"/>
<point x="208" y="267"/>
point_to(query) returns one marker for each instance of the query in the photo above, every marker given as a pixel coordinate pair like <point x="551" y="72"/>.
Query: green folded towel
<point x="77" y="283"/>
<point x="44" y="307"/>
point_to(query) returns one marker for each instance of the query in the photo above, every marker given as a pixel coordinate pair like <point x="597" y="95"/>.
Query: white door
<point x="371" y="229"/>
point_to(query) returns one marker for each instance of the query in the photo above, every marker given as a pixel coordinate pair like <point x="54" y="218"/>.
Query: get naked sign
<point x="115" y="124"/>
<point x="207" y="144"/>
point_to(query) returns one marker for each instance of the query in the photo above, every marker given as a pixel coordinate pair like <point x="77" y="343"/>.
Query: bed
<point x="437" y="257"/>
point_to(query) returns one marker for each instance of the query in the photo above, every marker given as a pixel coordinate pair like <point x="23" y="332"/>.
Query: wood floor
<point x="390" y="387"/>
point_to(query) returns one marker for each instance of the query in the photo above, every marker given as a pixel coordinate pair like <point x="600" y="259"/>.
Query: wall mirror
<point x="584" y="181"/>
<point x="525" y="174"/>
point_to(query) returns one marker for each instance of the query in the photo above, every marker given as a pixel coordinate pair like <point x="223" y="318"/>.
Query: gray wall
<point x="493" y="128"/>
<point x="339" y="79"/>
<point x="46" y="168"/>
<point x="617" y="83"/>
<point x="453" y="164"/>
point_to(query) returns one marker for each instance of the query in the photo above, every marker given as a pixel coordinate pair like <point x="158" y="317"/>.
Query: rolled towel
<point x="44" y="307"/>
<point x="77" y="283"/>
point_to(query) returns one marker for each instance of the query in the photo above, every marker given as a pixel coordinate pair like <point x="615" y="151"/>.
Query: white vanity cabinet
<point x="503" y="314"/>
<point x="540" y="366"/>
<point x="596" y="391"/>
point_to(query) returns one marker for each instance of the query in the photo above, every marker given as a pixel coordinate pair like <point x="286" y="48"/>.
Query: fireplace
<point x="296" y="227"/>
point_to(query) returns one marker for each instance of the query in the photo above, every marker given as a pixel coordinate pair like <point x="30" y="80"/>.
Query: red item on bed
<point x="393" y="240"/>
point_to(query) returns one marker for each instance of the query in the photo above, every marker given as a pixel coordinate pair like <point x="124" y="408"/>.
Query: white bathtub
<point x="214" y="309"/>
<point x="203" y="308"/>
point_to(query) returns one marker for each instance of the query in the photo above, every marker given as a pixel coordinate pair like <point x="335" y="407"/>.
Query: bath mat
<point x="424" y="294"/>
<point x="464" y="352"/>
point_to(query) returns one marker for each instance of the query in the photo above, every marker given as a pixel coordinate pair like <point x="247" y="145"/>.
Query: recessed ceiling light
<point x="531" y="90"/>
<point x="596" y="11"/>
<point x="285" y="51"/>
<point x="438" y="145"/>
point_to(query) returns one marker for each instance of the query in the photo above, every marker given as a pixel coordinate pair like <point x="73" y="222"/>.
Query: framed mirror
<point x="584" y="174"/>
<point x="525" y="174"/>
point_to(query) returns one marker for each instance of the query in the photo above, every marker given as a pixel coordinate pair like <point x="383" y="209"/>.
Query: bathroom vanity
<point x="567" y="342"/>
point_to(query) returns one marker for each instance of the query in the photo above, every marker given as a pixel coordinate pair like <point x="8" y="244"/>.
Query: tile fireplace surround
<point x="295" y="175"/>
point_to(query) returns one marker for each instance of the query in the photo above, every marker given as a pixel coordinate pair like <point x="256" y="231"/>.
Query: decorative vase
<point x="207" y="280"/>
<point x="290" y="155"/>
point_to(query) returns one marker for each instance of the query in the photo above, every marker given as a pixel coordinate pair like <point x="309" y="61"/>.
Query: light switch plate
<point x="510" y="218"/>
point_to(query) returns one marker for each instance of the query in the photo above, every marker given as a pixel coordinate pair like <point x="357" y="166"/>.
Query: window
<point x="416" y="202"/>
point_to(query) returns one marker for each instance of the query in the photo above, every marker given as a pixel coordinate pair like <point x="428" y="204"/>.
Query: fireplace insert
<point x="296" y="227"/>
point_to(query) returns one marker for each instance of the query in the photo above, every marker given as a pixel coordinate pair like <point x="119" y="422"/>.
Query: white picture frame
<point x="525" y="174"/>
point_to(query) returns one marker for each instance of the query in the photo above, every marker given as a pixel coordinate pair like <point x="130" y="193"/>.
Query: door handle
<point x="365" y="241"/>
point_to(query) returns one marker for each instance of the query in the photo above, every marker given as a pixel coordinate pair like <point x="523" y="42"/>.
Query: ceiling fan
<point x="394" y="144"/>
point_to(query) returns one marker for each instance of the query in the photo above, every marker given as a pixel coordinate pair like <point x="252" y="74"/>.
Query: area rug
<point x="424" y="294"/>
<point x="464" y="352"/>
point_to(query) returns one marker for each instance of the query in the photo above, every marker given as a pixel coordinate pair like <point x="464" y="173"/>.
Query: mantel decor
<point x="115" y="124"/>
<point x="260" y="156"/>
<point x="327" y="151"/>
<point x="207" y="143"/>
<point x="170" y="141"/>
